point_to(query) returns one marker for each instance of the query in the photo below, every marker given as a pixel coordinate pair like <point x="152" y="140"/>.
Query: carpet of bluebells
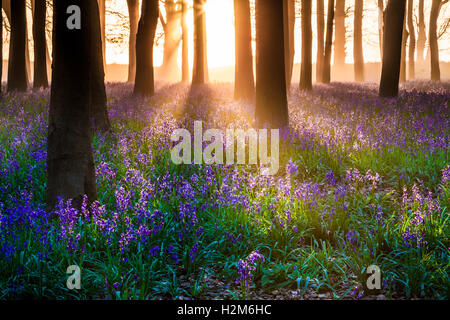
<point x="362" y="181"/>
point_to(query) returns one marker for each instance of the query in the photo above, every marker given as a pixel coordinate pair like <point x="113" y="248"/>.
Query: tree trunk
<point x="1" y="48"/>
<point x="403" y="56"/>
<point x="40" y="47"/>
<point x="412" y="41"/>
<point x="133" y="11"/>
<point x="70" y="163"/>
<point x="289" y="38"/>
<point x="244" y="83"/>
<point x="434" y="49"/>
<point x="392" y="48"/>
<point x="326" y="74"/>
<point x="358" y="56"/>
<point x="380" y="4"/>
<point x="169" y="68"/>
<point x="102" y="9"/>
<point x="306" y="67"/>
<point x="422" y="35"/>
<point x="339" y="39"/>
<point x="145" y="80"/>
<point x="200" y="72"/>
<point x="320" y="39"/>
<point x="17" y="73"/>
<point x="271" y="99"/>
<point x="98" y="107"/>
<point x="185" y="42"/>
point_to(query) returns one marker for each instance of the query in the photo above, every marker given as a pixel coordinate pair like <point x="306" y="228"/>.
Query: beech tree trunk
<point x="102" y="10"/>
<point x="70" y="163"/>
<point x="306" y="67"/>
<point x="339" y="38"/>
<point x="392" y="48"/>
<point x="289" y="38"/>
<point x="434" y="49"/>
<point x="40" y="45"/>
<point x="145" y="80"/>
<point x="98" y="107"/>
<point x="358" y="55"/>
<point x="200" y="72"/>
<point x="422" y="34"/>
<point x="320" y="39"/>
<point x="380" y="4"/>
<point x="17" y="72"/>
<point x="133" y="11"/>
<point x="185" y="42"/>
<point x="326" y="74"/>
<point x="172" y="37"/>
<point x="403" y="56"/>
<point x="244" y="83"/>
<point x="271" y="99"/>
<point x="412" y="41"/>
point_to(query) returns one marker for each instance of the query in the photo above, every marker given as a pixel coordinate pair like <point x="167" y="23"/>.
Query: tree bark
<point x="339" y="39"/>
<point x="320" y="39"/>
<point x="145" y="80"/>
<point x="169" y="68"/>
<point x="422" y="35"/>
<point x="380" y="4"/>
<point x="244" y="83"/>
<point x="40" y="45"/>
<point x="358" y="55"/>
<point x="392" y="48"/>
<point x="306" y="67"/>
<point x="434" y="49"/>
<point x="412" y="41"/>
<point x="271" y="99"/>
<point x="102" y="10"/>
<point x="70" y="163"/>
<point x="185" y="42"/>
<point x="200" y="72"/>
<point x="98" y="107"/>
<point x="17" y="72"/>
<point x="326" y="74"/>
<point x="403" y="56"/>
<point x="289" y="38"/>
<point x="133" y="12"/>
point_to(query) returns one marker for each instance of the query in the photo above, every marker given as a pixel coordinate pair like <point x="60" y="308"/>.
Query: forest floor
<point x="362" y="181"/>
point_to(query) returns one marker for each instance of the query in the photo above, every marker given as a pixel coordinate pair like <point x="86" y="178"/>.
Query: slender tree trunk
<point x="1" y="48"/>
<point x="358" y="56"/>
<point x="40" y="47"/>
<point x="289" y="38"/>
<point x="434" y="49"/>
<point x="98" y="108"/>
<point x="17" y="73"/>
<point x="200" y="72"/>
<point x="380" y="4"/>
<point x="339" y="39"/>
<point x="70" y="162"/>
<point x="145" y="81"/>
<point x="271" y="99"/>
<point x="306" y="68"/>
<point x="102" y="9"/>
<point x="392" y="49"/>
<point x="403" y="56"/>
<point x="133" y="11"/>
<point x="422" y="35"/>
<point x="326" y="74"/>
<point x="244" y="83"/>
<point x="172" y="37"/>
<point x="185" y="42"/>
<point x="320" y="39"/>
<point x="412" y="41"/>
